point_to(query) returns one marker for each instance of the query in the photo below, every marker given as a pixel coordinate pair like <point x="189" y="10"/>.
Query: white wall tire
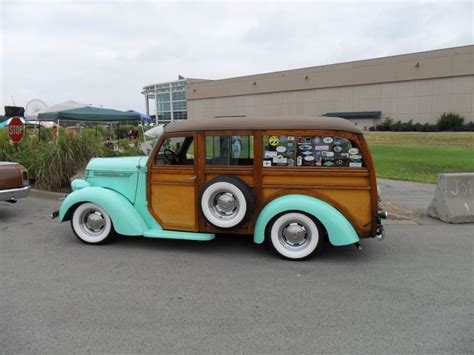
<point x="226" y="202"/>
<point x="294" y="235"/>
<point x="91" y="224"/>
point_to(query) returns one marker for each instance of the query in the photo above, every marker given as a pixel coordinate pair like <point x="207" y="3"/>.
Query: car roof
<point x="261" y="123"/>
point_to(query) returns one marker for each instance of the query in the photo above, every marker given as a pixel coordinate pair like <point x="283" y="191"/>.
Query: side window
<point x="176" y="151"/>
<point x="310" y="151"/>
<point x="229" y="150"/>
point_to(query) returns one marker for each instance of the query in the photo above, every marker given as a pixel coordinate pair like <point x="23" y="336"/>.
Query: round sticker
<point x="338" y="149"/>
<point x="273" y="140"/>
<point x="327" y="140"/>
<point x="305" y="147"/>
<point x="353" y="151"/>
<point x="339" y="162"/>
<point x="281" y="149"/>
<point x="355" y="157"/>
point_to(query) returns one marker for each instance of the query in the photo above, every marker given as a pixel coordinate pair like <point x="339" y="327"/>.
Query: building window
<point x="179" y="96"/>
<point x="229" y="150"/>
<point x="324" y="151"/>
<point x="181" y="105"/>
<point x="164" y="106"/>
<point x="163" y="97"/>
<point x="180" y="115"/>
<point x="164" y="116"/>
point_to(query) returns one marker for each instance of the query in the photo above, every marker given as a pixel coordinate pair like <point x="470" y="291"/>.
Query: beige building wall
<point x="419" y="86"/>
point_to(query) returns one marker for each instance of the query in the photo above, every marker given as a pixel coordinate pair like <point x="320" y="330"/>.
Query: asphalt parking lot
<point x="411" y="292"/>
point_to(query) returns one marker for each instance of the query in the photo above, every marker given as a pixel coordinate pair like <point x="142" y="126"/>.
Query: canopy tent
<point x="89" y="114"/>
<point x="143" y="116"/>
<point x="68" y="105"/>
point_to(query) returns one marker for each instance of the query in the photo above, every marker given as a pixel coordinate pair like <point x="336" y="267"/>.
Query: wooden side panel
<point x="167" y="198"/>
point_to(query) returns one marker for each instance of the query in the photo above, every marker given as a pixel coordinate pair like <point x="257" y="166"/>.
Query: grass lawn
<point x="421" y="156"/>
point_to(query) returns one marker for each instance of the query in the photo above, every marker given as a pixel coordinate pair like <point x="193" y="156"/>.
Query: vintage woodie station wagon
<point x="292" y="182"/>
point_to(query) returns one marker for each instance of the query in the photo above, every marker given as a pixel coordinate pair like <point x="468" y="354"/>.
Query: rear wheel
<point x="91" y="224"/>
<point x="294" y="235"/>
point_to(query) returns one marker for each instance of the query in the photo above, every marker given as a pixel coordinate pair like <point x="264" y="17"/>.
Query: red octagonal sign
<point x="16" y="129"/>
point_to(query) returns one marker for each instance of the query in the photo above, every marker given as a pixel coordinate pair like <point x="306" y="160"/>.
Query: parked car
<point x="292" y="182"/>
<point x="14" y="182"/>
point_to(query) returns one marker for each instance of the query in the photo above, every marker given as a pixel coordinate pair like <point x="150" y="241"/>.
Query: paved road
<point x="410" y="293"/>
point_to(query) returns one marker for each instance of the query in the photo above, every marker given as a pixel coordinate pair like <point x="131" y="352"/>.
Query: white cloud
<point x="104" y="52"/>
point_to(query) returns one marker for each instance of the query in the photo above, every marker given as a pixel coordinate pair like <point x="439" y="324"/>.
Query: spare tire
<point x="226" y="202"/>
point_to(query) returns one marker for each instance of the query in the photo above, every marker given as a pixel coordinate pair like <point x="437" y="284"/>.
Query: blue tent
<point x="143" y="117"/>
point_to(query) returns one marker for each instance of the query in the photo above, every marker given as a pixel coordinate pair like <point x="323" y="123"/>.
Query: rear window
<point x="323" y="151"/>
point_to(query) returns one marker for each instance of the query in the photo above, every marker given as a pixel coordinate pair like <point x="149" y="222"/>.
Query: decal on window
<point x="326" y="151"/>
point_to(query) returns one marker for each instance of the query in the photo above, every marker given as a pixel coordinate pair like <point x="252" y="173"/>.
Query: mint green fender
<point x="340" y="230"/>
<point x="125" y="218"/>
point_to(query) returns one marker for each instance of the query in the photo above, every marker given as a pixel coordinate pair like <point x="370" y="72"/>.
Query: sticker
<point x="337" y="141"/>
<point x="273" y="140"/>
<point x="339" y="162"/>
<point x="355" y="157"/>
<point x="309" y="160"/>
<point x="321" y="147"/>
<point x="267" y="163"/>
<point x="291" y="138"/>
<point x="307" y="153"/>
<point x="317" y="140"/>
<point x="345" y="155"/>
<point x="353" y="151"/>
<point x="304" y="140"/>
<point x="281" y="149"/>
<point x="318" y="159"/>
<point x="299" y="160"/>
<point x="327" y="154"/>
<point x="327" y="140"/>
<point x="305" y="147"/>
<point x="291" y="162"/>
<point x="270" y="155"/>
<point x="328" y="163"/>
<point x="338" y="149"/>
<point x="355" y="165"/>
<point x="280" y="160"/>
<point x="290" y="144"/>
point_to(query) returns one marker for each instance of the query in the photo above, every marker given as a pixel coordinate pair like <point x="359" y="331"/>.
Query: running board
<point x="167" y="234"/>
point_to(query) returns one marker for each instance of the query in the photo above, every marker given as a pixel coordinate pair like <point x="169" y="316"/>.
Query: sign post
<point x="16" y="130"/>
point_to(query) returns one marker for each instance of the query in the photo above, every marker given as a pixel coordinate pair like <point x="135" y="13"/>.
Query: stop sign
<point x="16" y="129"/>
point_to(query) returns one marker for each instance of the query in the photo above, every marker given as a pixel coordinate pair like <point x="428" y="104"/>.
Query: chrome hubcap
<point x="224" y="205"/>
<point x="294" y="235"/>
<point x="93" y="221"/>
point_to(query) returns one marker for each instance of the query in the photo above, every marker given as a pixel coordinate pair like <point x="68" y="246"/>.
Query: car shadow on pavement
<point x="232" y="246"/>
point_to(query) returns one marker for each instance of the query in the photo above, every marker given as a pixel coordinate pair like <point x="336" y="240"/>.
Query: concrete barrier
<point x="453" y="201"/>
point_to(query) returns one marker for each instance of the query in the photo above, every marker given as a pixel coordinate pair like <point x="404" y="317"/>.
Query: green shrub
<point x="51" y="163"/>
<point x="450" y="122"/>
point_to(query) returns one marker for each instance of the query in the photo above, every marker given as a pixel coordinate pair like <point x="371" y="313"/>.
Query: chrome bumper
<point x="14" y="194"/>
<point x="380" y="233"/>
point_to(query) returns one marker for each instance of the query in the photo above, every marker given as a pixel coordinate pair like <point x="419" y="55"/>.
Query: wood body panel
<point x="174" y="191"/>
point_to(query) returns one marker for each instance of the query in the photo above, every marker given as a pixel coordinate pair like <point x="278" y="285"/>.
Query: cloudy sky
<point x="103" y="52"/>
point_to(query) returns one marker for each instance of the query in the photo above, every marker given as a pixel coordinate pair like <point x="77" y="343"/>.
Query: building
<point x="418" y="86"/>
<point x="169" y="100"/>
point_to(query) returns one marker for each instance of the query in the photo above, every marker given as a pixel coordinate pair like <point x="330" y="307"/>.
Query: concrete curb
<point x="48" y="195"/>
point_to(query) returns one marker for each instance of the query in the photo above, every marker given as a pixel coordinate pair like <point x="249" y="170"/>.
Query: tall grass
<point x="51" y="164"/>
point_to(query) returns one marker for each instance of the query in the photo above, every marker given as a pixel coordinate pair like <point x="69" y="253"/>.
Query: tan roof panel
<point x="291" y="122"/>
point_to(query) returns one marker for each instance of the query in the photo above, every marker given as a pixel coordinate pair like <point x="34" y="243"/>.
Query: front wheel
<point x="91" y="224"/>
<point x="294" y="235"/>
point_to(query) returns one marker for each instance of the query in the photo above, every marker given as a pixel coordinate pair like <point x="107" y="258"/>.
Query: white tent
<point x="68" y="105"/>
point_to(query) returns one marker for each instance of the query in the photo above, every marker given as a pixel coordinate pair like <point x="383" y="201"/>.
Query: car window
<point x="229" y="150"/>
<point x="328" y="151"/>
<point x="176" y="151"/>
